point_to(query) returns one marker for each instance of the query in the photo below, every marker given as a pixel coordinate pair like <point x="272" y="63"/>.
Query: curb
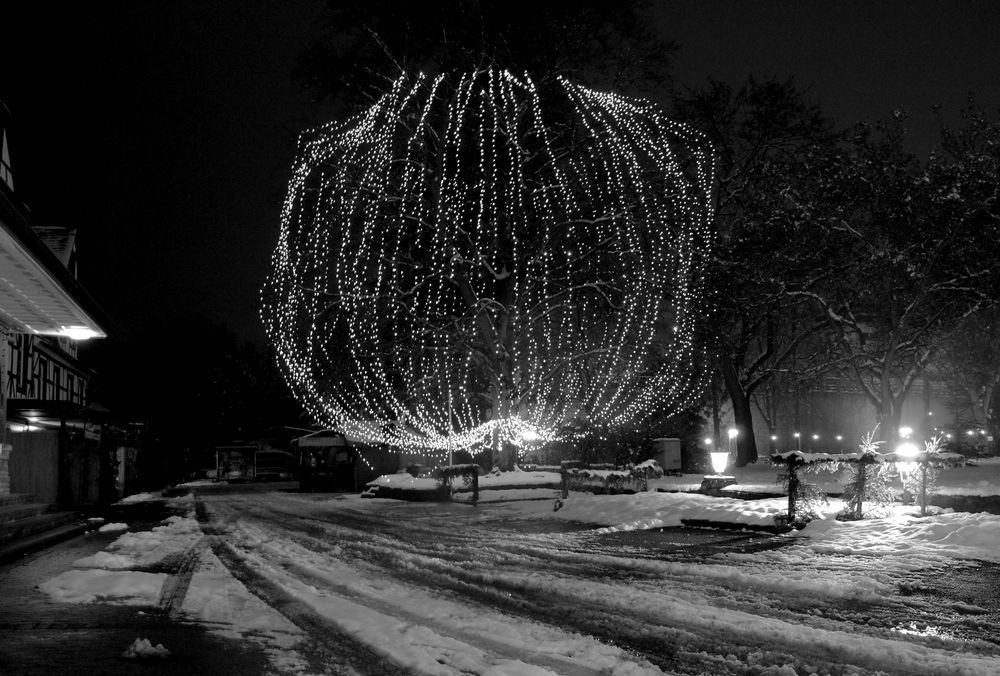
<point x="728" y="525"/>
<point x="43" y="540"/>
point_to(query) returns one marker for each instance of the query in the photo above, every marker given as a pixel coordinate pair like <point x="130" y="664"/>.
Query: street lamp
<point x="733" y="433"/>
<point x="908" y="451"/>
<point x="798" y="439"/>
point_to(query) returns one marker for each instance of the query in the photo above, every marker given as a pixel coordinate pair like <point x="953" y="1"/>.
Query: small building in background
<point x="329" y="461"/>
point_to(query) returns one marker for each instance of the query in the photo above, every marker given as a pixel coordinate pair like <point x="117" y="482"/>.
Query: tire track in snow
<point x="494" y="577"/>
<point x="293" y="574"/>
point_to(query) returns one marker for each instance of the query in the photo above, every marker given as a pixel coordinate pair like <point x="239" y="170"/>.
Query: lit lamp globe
<point x="906" y="449"/>
<point x="719" y="461"/>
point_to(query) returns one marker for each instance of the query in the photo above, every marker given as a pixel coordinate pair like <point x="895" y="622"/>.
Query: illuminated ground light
<point x="472" y="261"/>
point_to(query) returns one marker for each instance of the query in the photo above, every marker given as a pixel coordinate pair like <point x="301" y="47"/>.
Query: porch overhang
<point x="38" y="295"/>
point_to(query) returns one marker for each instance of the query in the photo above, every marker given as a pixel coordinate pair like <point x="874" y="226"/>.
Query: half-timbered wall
<point x="42" y="368"/>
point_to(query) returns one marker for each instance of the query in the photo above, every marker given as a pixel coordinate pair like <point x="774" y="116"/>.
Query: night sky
<point x="164" y="131"/>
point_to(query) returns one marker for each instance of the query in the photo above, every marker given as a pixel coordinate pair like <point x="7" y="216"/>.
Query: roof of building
<point x="38" y="293"/>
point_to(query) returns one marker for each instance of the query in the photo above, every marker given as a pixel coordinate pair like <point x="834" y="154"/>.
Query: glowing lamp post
<point x="908" y="451"/>
<point x="712" y="484"/>
<point x="719" y="461"/>
<point x="798" y="440"/>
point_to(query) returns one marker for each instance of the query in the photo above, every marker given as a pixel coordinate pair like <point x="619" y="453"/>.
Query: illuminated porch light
<point x="77" y="332"/>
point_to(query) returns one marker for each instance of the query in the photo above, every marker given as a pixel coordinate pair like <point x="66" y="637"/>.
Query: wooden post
<point x="793" y="486"/>
<point x="923" y="488"/>
<point x="475" y="485"/>
<point x="862" y="478"/>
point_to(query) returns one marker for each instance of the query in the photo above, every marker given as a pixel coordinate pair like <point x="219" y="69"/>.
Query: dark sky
<point x="164" y="130"/>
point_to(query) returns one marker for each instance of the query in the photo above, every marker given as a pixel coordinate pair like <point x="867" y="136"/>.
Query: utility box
<point x="668" y="453"/>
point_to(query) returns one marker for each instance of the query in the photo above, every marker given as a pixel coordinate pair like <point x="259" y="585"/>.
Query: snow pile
<point x="142" y="647"/>
<point x="113" y="527"/>
<point x="111" y="575"/>
<point x="139" y="497"/>
<point x="404" y="481"/>
<point x="146" y="548"/>
<point x="946" y="535"/>
<point x="660" y="510"/>
<point x="134" y="588"/>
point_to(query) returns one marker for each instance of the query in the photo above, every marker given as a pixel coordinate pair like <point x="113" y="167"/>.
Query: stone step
<point x="24" y="510"/>
<point x="32" y="525"/>
<point x="15" y="498"/>
<point x="15" y="549"/>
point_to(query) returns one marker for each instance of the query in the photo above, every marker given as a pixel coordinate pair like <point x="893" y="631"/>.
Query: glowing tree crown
<point x="476" y="259"/>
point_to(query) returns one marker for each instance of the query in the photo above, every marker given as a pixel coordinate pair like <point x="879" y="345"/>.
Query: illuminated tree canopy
<point x="482" y="259"/>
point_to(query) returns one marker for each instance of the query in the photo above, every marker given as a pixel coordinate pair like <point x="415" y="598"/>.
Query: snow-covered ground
<point x="440" y="589"/>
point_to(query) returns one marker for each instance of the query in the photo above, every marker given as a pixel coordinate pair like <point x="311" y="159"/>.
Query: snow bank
<point x="951" y="535"/>
<point x="139" y="497"/>
<point x="85" y="586"/>
<point x="659" y="510"/>
<point x="146" y="548"/>
<point x="142" y="647"/>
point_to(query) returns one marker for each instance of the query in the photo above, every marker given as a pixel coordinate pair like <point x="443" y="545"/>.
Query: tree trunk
<point x="716" y="425"/>
<point x="888" y="414"/>
<point x="746" y="445"/>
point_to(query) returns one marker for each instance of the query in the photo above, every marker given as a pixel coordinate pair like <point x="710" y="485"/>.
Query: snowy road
<point x="387" y="587"/>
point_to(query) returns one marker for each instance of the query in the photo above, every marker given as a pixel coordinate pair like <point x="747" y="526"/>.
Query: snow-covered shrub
<point x="868" y="482"/>
<point x="805" y="499"/>
<point x="467" y="472"/>
<point x="920" y="480"/>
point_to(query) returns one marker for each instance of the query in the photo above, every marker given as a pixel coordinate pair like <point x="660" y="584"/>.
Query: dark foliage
<point x="365" y="43"/>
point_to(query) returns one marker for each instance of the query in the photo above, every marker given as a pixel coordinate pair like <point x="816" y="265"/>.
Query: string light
<point x="469" y="262"/>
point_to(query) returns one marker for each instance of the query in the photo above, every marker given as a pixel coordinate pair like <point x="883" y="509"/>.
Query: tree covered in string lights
<point x="480" y="260"/>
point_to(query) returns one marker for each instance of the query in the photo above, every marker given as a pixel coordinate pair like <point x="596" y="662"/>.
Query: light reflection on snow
<point x="925" y="630"/>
